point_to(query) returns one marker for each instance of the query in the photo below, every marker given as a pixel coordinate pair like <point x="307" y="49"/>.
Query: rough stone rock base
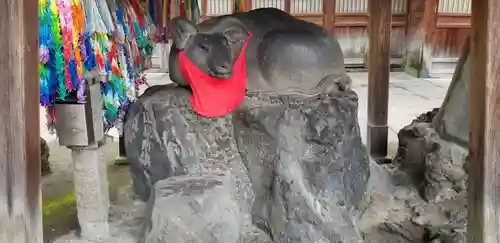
<point x="76" y="239"/>
<point x="421" y="197"/>
<point x="307" y="164"/>
<point x="44" y="157"/>
<point x="292" y="165"/>
<point x="205" y="211"/>
<point x="436" y="166"/>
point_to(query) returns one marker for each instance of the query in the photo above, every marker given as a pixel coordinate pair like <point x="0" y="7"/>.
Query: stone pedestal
<point x="283" y="168"/>
<point x="92" y="194"/>
<point x="80" y="128"/>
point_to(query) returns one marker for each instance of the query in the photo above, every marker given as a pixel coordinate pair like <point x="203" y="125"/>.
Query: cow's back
<point x="285" y="53"/>
<point x="264" y="20"/>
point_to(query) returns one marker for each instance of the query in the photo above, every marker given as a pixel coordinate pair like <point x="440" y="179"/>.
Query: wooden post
<point x="204" y="8"/>
<point x="248" y="5"/>
<point x="484" y="125"/>
<point x="20" y="191"/>
<point x="421" y="24"/>
<point x="378" y="76"/>
<point x="329" y="14"/>
<point x="287" y="6"/>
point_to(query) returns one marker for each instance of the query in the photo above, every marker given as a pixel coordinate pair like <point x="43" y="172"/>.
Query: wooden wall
<point x="351" y="28"/>
<point x="452" y="27"/>
<point x="453" y="23"/>
<point x="437" y="29"/>
<point x="309" y="10"/>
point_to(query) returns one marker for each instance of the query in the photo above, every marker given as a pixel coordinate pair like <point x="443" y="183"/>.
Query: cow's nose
<point x="224" y="68"/>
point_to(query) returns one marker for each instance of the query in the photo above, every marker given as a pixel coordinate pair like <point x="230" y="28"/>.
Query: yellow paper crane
<point x="238" y="6"/>
<point x="192" y="9"/>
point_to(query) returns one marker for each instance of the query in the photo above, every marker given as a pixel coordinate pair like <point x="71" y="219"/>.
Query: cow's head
<point x="212" y="48"/>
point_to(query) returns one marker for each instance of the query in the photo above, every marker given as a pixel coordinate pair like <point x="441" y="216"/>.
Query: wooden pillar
<point x="421" y="25"/>
<point x="20" y="190"/>
<point x="204" y="8"/>
<point x="248" y="5"/>
<point x="287" y="5"/>
<point x="484" y="125"/>
<point x="379" y="29"/>
<point x="329" y="14"/>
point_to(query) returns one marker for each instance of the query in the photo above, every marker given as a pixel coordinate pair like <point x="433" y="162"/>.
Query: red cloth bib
<point x="214" y="97"/>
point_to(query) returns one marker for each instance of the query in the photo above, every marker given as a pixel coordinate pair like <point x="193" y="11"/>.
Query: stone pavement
<point x="408" y="98"/>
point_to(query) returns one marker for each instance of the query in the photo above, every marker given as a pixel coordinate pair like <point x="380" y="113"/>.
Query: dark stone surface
<point x="452" y="120"/>
<point x="436" y="166"/>
<point x="164" y="138"/>
<point x="201" y="182"/>
<point x="385" y="214"/>
<point x="434" y="169"/>
<point x="307" y="164"/>
<point x="290" y="169"/>
<point x="421" y="197"/>
<point x="196" y="209"/>
<point x="301" y="156"/>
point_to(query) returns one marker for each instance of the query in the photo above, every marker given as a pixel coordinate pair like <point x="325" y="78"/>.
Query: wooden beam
<point x="379" y="29"/>
<point x="20" y="192"/>
<point x="484" y="125"/>
<point x="329" y="14"/>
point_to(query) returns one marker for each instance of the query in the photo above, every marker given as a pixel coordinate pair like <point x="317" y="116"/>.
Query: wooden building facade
<point x="426" y="35"/>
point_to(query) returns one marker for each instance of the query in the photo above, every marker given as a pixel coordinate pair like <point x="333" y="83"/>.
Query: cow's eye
<point x="203" y="47"/>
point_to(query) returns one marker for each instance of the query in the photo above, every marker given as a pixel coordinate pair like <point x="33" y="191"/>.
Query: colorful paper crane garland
<point x="163" y="10"/>
<point x="80" y="36"/>
<point x="190" y="9"/>
<point x="238" y="6"/>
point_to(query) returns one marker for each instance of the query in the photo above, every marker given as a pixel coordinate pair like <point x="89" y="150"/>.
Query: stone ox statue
<point x="284" y="53"/>
<point x="287" y="165"/>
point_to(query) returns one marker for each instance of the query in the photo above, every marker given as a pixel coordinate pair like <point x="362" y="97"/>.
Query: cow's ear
<point x="235" y="32"/>
<point x="236" y="37"/>
<point x="181" y="30"/>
